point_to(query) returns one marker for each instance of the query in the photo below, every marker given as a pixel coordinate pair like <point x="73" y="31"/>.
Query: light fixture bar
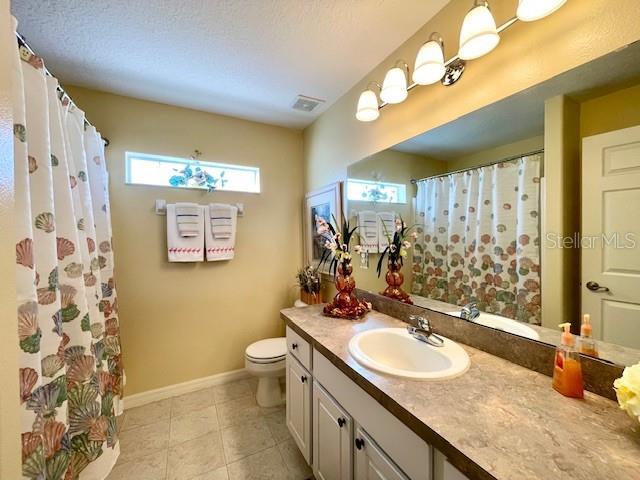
<point x="500" y="29"/>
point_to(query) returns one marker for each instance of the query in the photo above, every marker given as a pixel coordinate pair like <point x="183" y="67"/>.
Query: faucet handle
<point x="424" y="323"/>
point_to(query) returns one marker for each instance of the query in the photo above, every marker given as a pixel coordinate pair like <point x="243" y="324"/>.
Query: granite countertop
<point x="499" y="420"/>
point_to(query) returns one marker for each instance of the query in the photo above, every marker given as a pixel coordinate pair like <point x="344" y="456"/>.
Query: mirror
<point x="526" y="213"/>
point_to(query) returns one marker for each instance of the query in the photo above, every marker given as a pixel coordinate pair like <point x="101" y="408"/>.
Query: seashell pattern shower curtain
<point x="71" y="373"/>
<point x="479" y="239"/>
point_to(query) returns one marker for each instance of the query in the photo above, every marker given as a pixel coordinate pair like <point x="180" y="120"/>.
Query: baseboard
<point x="169" y="391"/>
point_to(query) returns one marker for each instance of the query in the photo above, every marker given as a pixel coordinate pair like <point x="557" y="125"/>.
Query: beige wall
<point x="9" y="394"/>
<point x="528" y="54"/>
<point x="396" y="167"/>
<point x="185" y="321"/>
<point x="495" y="154"/>
<point x="613" y="111"/>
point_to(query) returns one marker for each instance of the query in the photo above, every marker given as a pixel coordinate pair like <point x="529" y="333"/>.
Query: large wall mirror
<point x="526" y="212"/>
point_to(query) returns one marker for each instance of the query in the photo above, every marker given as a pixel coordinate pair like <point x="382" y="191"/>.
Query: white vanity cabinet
<point x="299" y="392"/>
<point x="343" y="433"/>
<point x="443" y="470"/>
<point x="332" y="438"/>
<point x="371" y="462"/>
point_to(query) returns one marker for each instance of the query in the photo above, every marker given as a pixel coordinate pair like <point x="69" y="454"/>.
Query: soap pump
<point x="567" y="371"/>
<point x="588" y="345"/>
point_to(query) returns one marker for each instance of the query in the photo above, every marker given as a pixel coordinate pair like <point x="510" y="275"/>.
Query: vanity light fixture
<point x="394" y="87"/>
<point x="531" y="10"/>
<point x="429" y="67"/>
<point x="368" y="109"/>
<point x="479" y="34"/>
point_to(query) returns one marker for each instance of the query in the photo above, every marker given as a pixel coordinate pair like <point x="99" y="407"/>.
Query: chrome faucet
<point x="424" y="331"/>
<point x="470" y="312"/>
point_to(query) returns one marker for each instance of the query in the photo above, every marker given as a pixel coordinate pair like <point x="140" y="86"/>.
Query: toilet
<point x="266" y="360"/>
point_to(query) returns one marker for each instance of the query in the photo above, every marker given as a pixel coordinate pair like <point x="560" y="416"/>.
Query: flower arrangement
<point x="196" y="176"/>
<point x="628" y="391"/>
<point x="396" y="252"/>
<point x="337" y="252"/>
<point x="309" y="283"/>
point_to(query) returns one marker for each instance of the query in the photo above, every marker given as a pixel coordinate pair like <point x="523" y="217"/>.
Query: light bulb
<point x="429" y="67"/>
<point x="367" y="106"/>
<point x="479" y="34"/>
<point x="394" y="87"/>
<point x="530" y="10"/>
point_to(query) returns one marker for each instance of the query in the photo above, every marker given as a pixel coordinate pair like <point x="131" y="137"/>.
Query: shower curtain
<point x="70" y="367"/>
<point x="479" y="238"/>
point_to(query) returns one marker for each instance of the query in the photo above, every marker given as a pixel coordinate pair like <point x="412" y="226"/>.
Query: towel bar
<point x="161" y="207"/>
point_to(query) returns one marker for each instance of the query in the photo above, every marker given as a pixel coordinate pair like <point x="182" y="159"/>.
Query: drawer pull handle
<point x="303" y="378"/>
<point x="341" y="422"/>
<point x="359" y="443"/>
<point x="294" y="346"/>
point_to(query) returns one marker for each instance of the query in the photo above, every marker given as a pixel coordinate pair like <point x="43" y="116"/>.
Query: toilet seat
<point x="270" y="350"/>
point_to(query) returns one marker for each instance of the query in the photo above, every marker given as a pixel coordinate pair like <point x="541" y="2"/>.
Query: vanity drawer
<point x="299" y="348"/>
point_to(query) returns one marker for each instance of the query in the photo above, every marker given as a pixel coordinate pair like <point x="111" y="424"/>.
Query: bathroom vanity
<point x="496" y="421"/>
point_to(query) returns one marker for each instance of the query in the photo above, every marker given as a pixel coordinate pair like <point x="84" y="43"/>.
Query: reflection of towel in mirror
<point x="185" y="248"/>
<point x="368" y="229"/>
<point x="386" y="227"/>
<point x="188" y="219"/>
<point x="220" y="235"/>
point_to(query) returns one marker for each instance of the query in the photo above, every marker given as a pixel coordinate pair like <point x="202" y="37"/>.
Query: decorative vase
<point x="345" y="304"/>
<point x="310" y="298"/>
<point x="395" y="279"/>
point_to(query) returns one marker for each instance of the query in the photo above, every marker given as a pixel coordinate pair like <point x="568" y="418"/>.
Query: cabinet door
<point x="299" y="405"/>
<point x="443" y="470"/>
<point x="371" y="462"/>
<point x="332" y="434"/>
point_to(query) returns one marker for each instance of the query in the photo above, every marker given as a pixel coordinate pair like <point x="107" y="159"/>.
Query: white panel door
<point x="299" y="406"/>
<point x="332" y="438"/>
<point x="610" y="244"/>
<point x="371" y="462"/>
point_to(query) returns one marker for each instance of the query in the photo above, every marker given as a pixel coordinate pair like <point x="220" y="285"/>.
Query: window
<point x="375" y="191"/>
<point x="146" y="169"/>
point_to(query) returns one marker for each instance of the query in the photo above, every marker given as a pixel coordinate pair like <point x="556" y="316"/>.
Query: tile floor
<point x="219" y="433"/>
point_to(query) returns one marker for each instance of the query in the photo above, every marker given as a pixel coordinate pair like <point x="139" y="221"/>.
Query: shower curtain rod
<point x="514" y="157"/>
<point x="23" y="43"/>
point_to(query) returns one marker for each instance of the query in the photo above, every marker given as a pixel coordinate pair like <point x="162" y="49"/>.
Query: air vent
<point x="306" y="104"/>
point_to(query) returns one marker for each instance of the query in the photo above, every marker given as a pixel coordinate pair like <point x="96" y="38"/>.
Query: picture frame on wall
<point x="325" y="203"/>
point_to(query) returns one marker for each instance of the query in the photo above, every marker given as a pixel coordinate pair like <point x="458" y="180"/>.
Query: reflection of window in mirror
<point x="376" y="191"/>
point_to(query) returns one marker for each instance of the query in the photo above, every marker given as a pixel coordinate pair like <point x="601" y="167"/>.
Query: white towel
<point x="220" y="231"/>
<point x="188" y="218"/>
<point x="368" y="228"/>
<point x="386" y="226"/>
<point x="184" y="248"/>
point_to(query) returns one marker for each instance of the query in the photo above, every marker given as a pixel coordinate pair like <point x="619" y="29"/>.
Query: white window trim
<point x="187" y="161"/>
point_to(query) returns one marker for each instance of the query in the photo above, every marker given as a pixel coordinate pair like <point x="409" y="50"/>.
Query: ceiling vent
<point x="306" y="104"/>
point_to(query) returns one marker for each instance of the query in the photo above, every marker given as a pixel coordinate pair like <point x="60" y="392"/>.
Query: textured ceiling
<point x="245" y="58"/>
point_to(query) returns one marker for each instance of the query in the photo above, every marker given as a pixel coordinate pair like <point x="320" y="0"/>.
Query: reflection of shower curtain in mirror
<point x="479" y="238"/>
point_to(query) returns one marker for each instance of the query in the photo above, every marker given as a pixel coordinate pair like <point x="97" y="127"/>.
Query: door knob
<point x="595" y="287"/>
<point x="341" y="422"/>
<point x="359" y="443"/>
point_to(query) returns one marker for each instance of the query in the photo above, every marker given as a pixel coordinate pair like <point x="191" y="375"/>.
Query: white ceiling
<point x="245" y="58"/>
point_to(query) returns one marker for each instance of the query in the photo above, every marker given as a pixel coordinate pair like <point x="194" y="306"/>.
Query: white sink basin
<point x="395" y="352"/>
<point x="504" y="324"/>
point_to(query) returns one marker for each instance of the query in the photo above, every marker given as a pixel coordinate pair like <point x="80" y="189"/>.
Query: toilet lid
<point x="270" y="348"/>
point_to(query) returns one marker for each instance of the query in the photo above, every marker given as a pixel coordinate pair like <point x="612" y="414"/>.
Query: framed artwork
<point x="325" y="203"/>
